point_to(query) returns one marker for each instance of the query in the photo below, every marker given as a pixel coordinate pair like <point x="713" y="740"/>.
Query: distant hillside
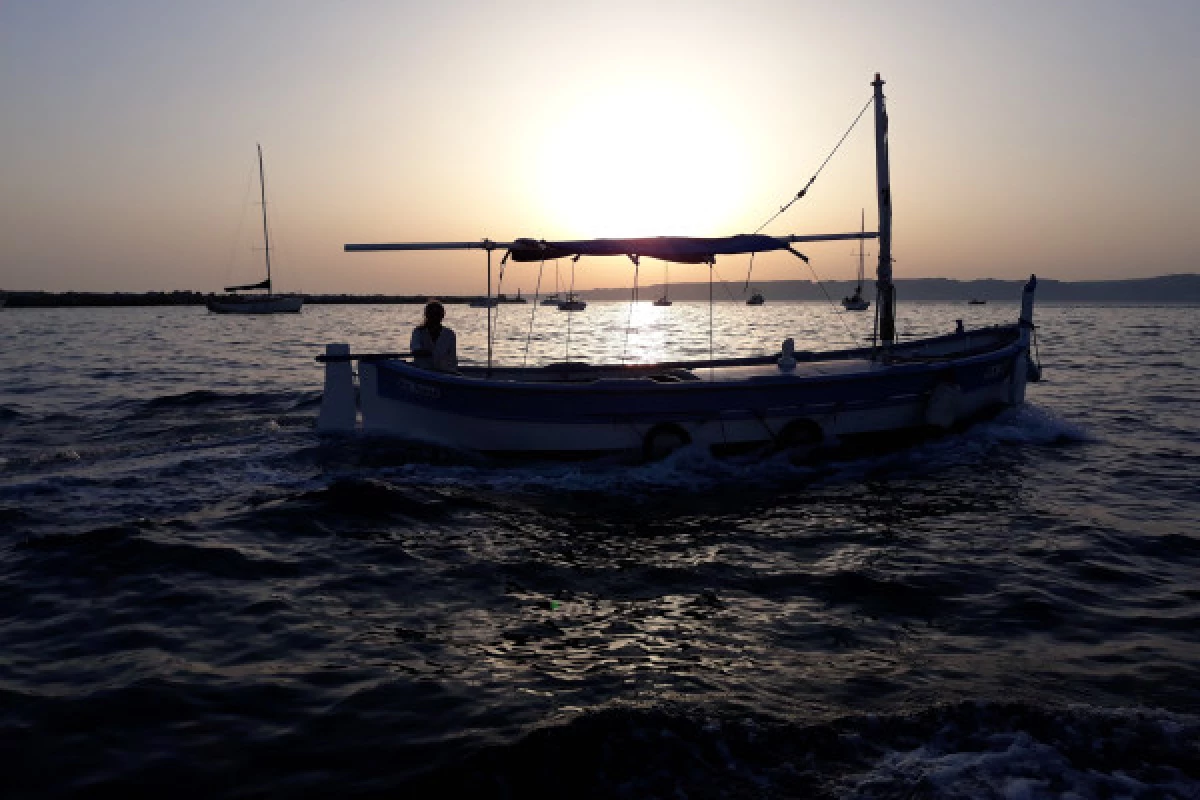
<point x="1183" y="289"/>
<point x="1176" y="289"/>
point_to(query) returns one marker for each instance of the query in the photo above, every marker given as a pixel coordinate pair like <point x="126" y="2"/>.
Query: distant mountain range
<point x="1183" y="289"/>
<point x="1174" y="289"/>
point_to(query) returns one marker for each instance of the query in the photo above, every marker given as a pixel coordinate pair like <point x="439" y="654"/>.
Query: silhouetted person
<point x="433" y="345"/>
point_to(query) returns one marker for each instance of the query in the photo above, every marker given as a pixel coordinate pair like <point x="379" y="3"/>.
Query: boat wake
<point x="693" y="469"/>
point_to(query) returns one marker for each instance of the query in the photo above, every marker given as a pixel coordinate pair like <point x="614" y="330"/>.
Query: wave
<point x="970" y="750"/>
<point x="364" y="497"/>
<point x="397" y="738"/>
<point x="122" y="550"/>
<point x="207" y="399"/>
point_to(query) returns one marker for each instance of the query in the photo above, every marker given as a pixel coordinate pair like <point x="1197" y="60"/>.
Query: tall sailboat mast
<point x="885" y="290"/>
<point x="262" y="187"/>
<point x="862" y="254"/>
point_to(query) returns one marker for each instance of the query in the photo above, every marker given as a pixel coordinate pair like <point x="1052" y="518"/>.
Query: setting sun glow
<point x="641" y="161"/>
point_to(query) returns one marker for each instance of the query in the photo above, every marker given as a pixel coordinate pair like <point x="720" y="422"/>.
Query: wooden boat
<point x="856" y="302"/>
<point x="258" y="304"/>
<point x="786" y="399"/>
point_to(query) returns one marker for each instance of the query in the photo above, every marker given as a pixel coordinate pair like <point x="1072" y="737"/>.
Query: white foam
<point x="1013" y="765"/>
<point x="693" y="470"/>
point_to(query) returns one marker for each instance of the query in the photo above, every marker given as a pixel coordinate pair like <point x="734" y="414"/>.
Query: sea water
<point x="201" y="597"/>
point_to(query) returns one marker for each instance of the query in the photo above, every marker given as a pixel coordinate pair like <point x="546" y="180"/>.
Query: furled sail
<point x="263" y="285"/>
<point x="680" y="249"/>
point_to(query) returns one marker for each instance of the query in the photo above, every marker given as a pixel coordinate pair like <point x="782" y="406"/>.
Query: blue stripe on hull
<point x="649" y="401"/>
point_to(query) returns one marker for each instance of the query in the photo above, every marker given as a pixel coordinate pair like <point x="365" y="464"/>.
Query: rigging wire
<point x="632" y="302"/>
<point x="724" y="285"/>
<point x="570" y="296"/>
<point x="807" y="186"/>
<point x="813" y="179"/>
<point x="712" y="265"/>
<point x="841" y="316"/>
<point x="495" y="327"/>
<point x="533" y="311"/>
<point x="241" y="223"/>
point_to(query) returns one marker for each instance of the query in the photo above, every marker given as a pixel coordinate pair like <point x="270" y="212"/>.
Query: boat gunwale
<point x="638" y="383"/>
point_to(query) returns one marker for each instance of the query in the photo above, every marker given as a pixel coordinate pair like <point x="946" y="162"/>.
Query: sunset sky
<point x="1056" y="137"/>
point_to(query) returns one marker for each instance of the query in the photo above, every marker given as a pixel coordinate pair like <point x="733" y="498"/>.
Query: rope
<point x="536" y="292"/>
<point x="632" y="302"/>
<point x="824" y="291"/>
<point x="495" y="329"/>
<point x="724" y="285"/>
<point x="711" y="267"/>
<point x="570" y="296"/>
<point x="813" y="179"/>
<point x="241" y="223"/>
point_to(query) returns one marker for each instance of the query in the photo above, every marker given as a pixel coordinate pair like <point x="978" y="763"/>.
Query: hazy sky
<point x="1057" y="137"/>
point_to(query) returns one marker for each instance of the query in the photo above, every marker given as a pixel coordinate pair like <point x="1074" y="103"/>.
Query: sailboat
<point x="665" y="300"/>
<point x="553" y="299"/>
<point x="572" y="303"/>
<point x="258" y="304"/>
<point x="856" y="302"/>
<point x="788" y="399"/>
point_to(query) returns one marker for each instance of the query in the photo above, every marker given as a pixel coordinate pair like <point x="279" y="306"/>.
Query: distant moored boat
<point x="856" y="302"/>
<point x="572" y="303"/>
<point x="257" y="304"/>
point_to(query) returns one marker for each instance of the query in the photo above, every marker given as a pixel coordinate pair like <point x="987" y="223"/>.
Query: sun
<point x="641" y="161"/>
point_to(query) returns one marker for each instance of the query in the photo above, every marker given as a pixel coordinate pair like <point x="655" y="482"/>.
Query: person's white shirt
<point x="443" y="352"/>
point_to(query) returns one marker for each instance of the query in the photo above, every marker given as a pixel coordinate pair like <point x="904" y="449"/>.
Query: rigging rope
<point x="712" y="265"/>
<point x="536" y="292"/>
<point x="570" y="296"/>
<point x="813" y="179"/>
<point x="632" y="301"/>
<point x="824" y="291"/>
<point x="494" y="328"/>
<point x="724" y="285"/>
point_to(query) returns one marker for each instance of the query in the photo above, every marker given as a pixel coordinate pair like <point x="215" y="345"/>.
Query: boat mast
<point x="262" y="187"/>
<point x="885" y="291"/>
<point x="862" y="255"/>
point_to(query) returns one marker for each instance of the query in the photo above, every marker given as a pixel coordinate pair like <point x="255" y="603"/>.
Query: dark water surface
<point x="201" y="598"/>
